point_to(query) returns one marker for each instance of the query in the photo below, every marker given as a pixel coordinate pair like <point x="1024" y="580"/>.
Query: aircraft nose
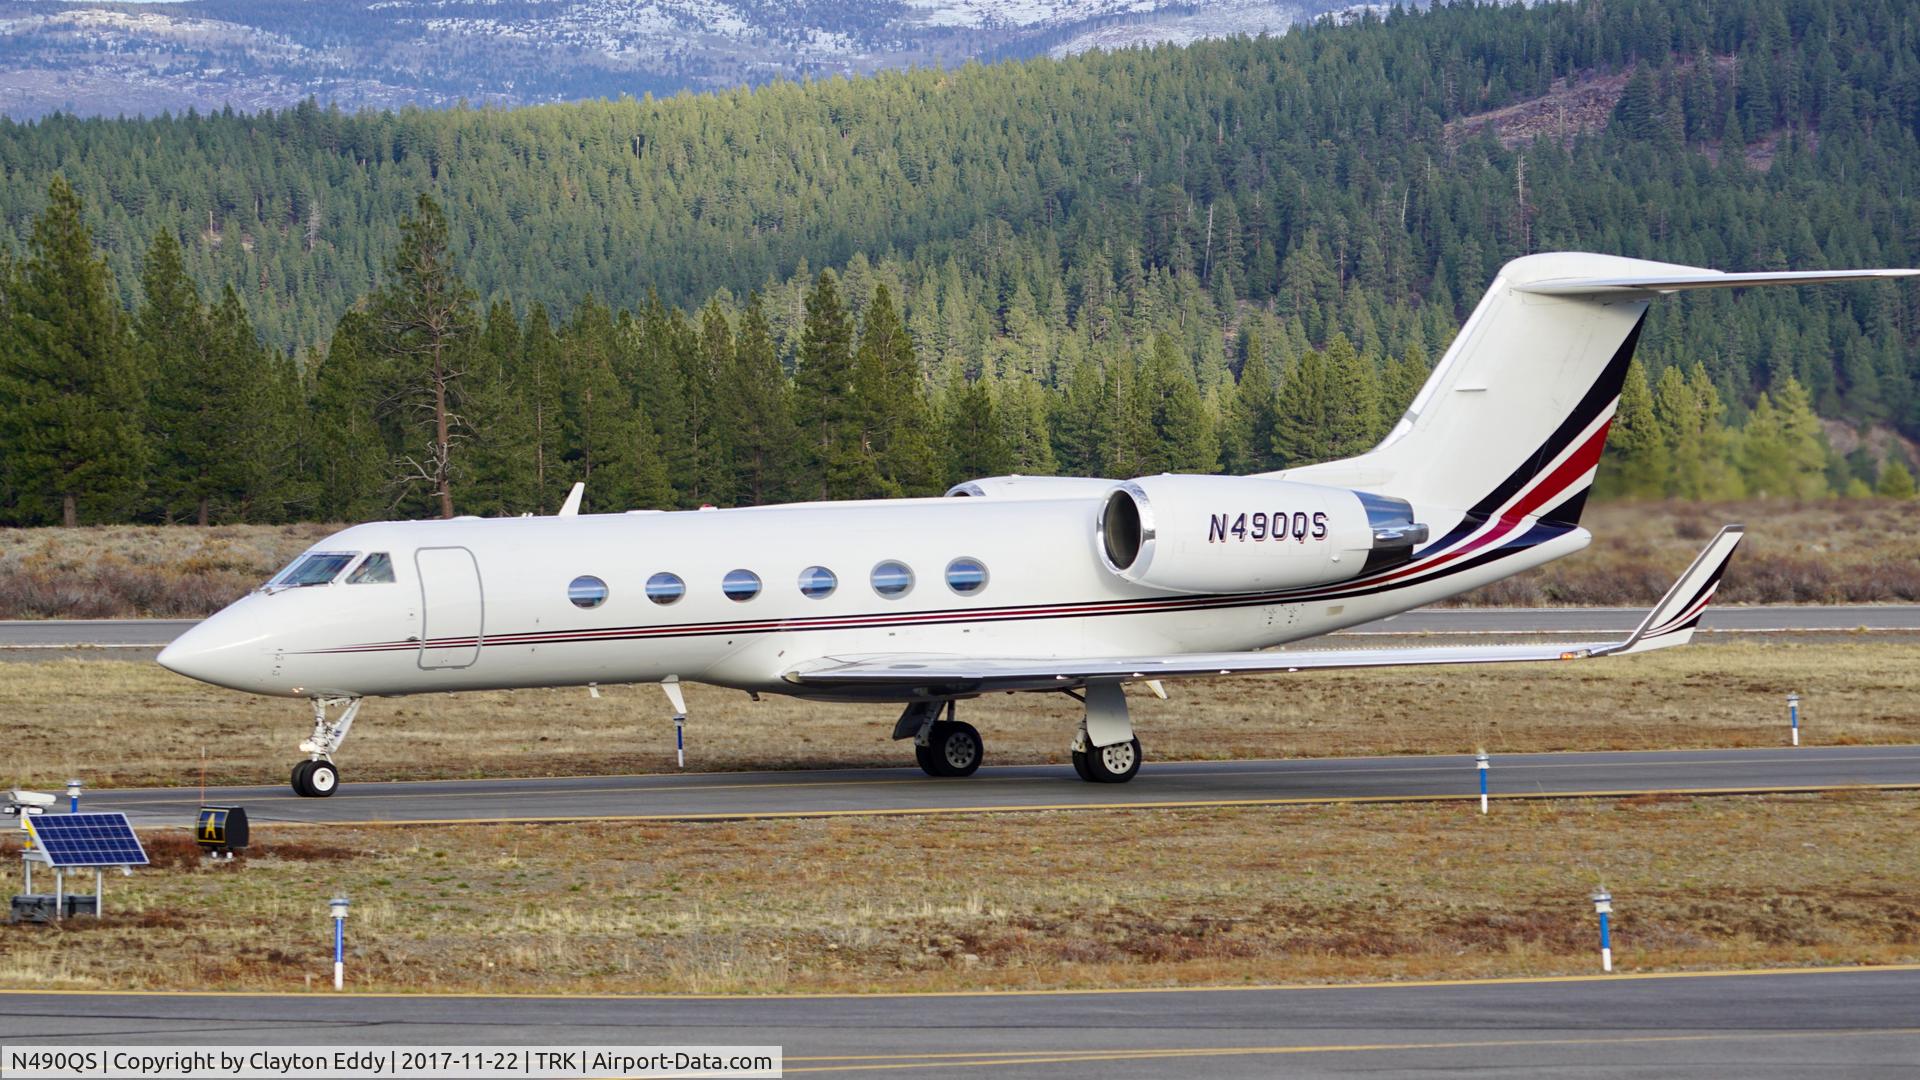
<point x="226" y="649"/>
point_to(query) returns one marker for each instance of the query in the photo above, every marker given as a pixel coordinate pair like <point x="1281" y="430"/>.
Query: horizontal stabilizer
<point x="1707" y="279"/>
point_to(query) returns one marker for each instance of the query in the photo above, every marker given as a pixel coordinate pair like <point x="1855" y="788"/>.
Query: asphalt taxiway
<point x="1830" y="1022"/>
<point x="842" y="792"/>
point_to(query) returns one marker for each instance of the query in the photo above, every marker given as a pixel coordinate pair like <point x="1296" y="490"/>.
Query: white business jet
<point x="1067" y="585"/>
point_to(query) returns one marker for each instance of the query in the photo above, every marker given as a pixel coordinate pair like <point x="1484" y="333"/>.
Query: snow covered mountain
<point x="146" y="57"/>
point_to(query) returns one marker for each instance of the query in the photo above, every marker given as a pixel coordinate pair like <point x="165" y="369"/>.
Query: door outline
<point x="445" y="656"/>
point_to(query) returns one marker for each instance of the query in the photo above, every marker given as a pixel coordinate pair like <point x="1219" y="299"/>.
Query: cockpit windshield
<point x="313" y="568"/>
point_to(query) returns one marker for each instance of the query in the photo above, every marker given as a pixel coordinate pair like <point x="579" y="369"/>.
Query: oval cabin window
<point x="966" y="576"/>
<point x="741" y="585"/>
<point x="665" y="588"/>
<point x="818" y="582"/>
<point x="587" y="591"/>
<point x="892" y="579"/>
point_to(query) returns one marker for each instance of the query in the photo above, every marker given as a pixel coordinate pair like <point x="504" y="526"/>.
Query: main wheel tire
<point x="959" y="747"/>
<point x="1114" y="764"/>
<point x="928" y="760"/>
<point x="323" y="779"/>
<point x="300" y="774"/>
<point x="954" y="748"/>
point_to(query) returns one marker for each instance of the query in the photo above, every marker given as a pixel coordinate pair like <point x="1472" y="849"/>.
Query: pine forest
<point x="1236" y="255"/>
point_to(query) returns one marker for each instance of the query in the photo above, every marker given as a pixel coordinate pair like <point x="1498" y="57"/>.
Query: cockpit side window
<point x="376" y="570"/>
<point x="313" y="568"/>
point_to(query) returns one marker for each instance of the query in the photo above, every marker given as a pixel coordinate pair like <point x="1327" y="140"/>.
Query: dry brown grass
<point x="1019" y="901"/>
<point x="1825" y="552"/>
<point x="118" y="724"/>
<point x="1834" y="552"/>
<point x="124" y="571"/>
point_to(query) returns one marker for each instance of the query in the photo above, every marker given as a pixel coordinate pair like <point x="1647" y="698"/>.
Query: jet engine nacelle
<point x="1226" y="534"/>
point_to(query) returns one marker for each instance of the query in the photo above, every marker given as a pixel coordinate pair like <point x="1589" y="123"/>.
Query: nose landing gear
<point x="318" y="777"/>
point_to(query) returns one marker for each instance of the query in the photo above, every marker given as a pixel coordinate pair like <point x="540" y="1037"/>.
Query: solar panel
<point x="87" y="840"/>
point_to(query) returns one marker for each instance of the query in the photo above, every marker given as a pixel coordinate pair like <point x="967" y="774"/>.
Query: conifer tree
<point x="762" y="413"/>
<point x="184" y="379"/>
<point x="1246" y="437"/>
<point x="1182" y="434"/>
<point x="1022" y="415"/>
<point x="542" y="381"/>
<point x="1354" y="424"/>
<point x="501" y="461"/>
<point x="348" y="455"/>
<point x="1896" y="482"/>
<point x="1304" y="412"/>
<point x="708" y="480"/>
<point x="1080" y="417"/>
<point x="254" y="445"/>
<point x="975" y="445"/>
<point x="826" y="401"/>
<point x="892" y="404"/>
<point x="1636" y="464"/>
<point x="1804" y="441"/>
<point x="425" y="318"/>
<point x="71" y="444"/>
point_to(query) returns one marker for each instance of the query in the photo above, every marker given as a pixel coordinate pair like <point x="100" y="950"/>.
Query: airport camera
<point x="27" y="802"/>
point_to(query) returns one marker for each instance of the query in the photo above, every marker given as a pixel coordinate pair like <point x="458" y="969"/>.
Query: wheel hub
<point x="960" y="750"/>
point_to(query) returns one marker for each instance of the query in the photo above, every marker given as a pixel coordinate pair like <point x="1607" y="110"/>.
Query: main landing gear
<point x="318" y="777"/>
<point x="943" y="747"/>
<point x="1105" y="750"/>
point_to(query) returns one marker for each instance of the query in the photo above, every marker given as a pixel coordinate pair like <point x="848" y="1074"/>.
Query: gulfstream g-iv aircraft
<point x="1066" y="585"/>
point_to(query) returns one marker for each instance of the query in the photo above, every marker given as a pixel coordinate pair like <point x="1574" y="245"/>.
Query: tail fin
<point x="1513" y="419"/>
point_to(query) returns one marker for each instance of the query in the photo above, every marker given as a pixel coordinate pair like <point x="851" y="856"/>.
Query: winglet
<point x="571" y="508"/>
<point x="1672" y="620"/>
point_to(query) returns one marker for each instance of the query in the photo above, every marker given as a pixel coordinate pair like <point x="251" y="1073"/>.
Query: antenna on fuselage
<point x="571" y="508"/>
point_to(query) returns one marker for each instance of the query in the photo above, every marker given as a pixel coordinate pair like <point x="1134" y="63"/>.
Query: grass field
<point x="118" y="724"/>
<point x="1839" y="551"/>
<point x="1014" y="901"/>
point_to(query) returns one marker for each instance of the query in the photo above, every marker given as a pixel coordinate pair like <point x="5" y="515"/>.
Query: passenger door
<point x="452" y="610"/>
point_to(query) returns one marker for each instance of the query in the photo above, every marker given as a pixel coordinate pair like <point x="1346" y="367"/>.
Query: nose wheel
<point x="315" y="779"/>
<point x="318" y="777"/>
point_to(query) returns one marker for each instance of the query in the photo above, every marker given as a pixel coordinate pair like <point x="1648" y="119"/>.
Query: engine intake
<point x="1225" y="534"/>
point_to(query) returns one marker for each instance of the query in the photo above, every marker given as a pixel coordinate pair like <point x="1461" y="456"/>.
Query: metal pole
<point x="680" y="740"/>
<point x="1603" y="906"/>
<point x="99" y="892"/>
<point x="1793" y="716"/>
<point x="59" y="892"/>
<point x="1480" y="759"/>
<point x="338" y="905"/>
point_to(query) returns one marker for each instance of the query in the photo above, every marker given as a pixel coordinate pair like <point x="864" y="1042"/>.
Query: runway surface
<point x="1851" y="1022"/>
<point x="824" y="793"/>
<point x="149" y="635"/>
